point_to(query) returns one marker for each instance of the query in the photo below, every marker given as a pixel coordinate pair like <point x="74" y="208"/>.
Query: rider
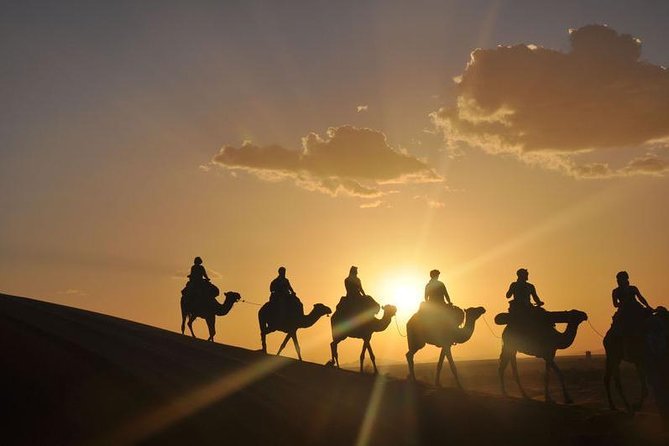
<point x="632" y="306"/>
<point x="521" y="290"/>
<point x="197" y="271"/>
<point x="282" y="292"/>
<point x="353" y="284"/>
<point x="435" y="290"/>
<point x="356" y="300"/>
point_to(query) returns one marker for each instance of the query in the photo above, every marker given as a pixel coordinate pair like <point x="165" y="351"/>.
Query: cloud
<point x="346" y="161"/>
<point x="361" y="108"/>
<point x="552" y="107"/>
<point x="371" y="204"/>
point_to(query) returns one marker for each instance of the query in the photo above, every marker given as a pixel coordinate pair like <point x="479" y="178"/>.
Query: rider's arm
<point x="614" y="299"/>
<point x="362" y="292"/>
<point x="535" y="296"/>
<point x="426" y="288"/>
<point x="511" y="290"/>
<point x="204" y="273"/>
<point x="290" y="288"/>
<point x="448" y="298"/>
<point x="637" y="293"/>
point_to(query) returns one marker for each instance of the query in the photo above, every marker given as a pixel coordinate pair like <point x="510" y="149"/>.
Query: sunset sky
<point x="475" y="137"/>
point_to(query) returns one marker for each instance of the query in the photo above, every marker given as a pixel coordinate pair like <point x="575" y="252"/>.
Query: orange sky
<point x="137" y="139"/>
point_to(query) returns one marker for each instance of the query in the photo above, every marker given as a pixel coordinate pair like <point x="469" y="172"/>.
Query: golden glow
<point x="405" y="290"/>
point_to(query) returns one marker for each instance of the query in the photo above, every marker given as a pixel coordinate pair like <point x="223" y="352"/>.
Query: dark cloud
<point x="598" y="97"/>
<point x="347" y="160"/>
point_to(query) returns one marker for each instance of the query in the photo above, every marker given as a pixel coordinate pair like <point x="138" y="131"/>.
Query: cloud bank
<point x="346" y="161"/>
<point x="551" y="107"/>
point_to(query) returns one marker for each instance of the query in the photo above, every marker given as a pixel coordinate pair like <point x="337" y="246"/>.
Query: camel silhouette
<point x="647" y="350"/>
<point x="421" y="331"/>
<point x="361" y="328"/>
<point x="268" y="316"/>
<point x="541" y="342"/>
<point x="193" y="307"/>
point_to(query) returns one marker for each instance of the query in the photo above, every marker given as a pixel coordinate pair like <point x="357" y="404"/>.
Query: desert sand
<point x="76" y="377"/>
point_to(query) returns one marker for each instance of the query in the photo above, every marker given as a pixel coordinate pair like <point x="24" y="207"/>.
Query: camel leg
<point x="619" y="387"/>
<point x="409" y="356"/>
<point x="190" y="325"/>
<point x="297" y="345"/>
<point x="547" y="374"/>
<point x="283" y="344"/>
<point x="503" y="362"/>
<point x="440" y="364"/>
<point x="335" y="355"/>
<point x="514" y="369"/>
<point x="362" y="355"/>
<point x="644" y="387"/>
<point x="610" y="367"/>
<point x="567" y="398"/>
<point x="451" y="363"/>
<point x="183" y="322"/>
<point x="211" y="324"/>
<point x="371" y="355"/>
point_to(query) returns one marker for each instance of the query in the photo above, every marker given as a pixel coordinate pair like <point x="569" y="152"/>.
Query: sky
<point x="475" y="137"/>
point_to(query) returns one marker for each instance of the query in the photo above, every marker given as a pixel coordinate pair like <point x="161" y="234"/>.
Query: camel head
<point x="474" y="313"/>
<point x="321" y="310"/>
<point x="389" y="310"/>
<point x="235" y="296"/>
<point x="578" y="316"/>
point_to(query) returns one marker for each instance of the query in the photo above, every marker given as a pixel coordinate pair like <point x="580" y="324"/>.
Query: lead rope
<point x="594" y="329"/>
<point x="251" y="303"/>
<point x="397" y="325"/>
<point x="490" y="328"/>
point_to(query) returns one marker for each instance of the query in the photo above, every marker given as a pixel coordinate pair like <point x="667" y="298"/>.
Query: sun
<point x="405" y="291"/>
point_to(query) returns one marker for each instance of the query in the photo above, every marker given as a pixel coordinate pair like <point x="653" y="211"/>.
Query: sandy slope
<point x="75" y="377"/>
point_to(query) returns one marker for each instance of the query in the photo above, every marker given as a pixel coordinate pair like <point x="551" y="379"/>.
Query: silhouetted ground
<point x="76" y="377"/>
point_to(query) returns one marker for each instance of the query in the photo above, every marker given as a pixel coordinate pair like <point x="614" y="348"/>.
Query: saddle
<point x="350" y="307"/>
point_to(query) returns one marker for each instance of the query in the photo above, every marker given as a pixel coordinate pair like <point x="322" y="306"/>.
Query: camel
<point x="267" y="318"/>
<point x="207" y="309"/>
<point x="647" y="352"/>
<point x="421" y="331"/>
<point x="362" y="328"/>
<point x="540" y="342"/>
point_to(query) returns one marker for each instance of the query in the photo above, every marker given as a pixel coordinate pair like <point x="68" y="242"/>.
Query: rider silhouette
<point x="284" y="295"/>
<point x="435" y="290"/>
<point x="632" y="306"/>
<point x="199" y="285"/>
<point x="353" y="284"/>
<point x="197" y="271"/>
<point x="521" y="290"/>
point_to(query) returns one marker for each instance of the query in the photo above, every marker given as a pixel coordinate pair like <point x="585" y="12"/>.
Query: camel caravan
<point x="639" y="333"/>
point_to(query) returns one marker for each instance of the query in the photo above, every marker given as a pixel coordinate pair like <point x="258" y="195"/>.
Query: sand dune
<point x="75" y="377"/>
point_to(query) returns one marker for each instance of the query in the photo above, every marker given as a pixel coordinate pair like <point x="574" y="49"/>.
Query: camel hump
<point x="350" y="307"/>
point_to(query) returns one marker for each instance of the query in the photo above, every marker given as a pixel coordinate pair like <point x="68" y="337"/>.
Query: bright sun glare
<point x="405" y="291"/>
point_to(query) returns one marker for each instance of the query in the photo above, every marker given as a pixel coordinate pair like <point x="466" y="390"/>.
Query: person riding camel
<point x="435" y="290"/>
<point x="353" y="284"/>
<point x="522" y="290"/>
<point x="632" y="306"/>
<point x="199" y="283"/>
<point x="356" y="301"/>
<point x="283" y="294"/>
<point x="438" y="303"/>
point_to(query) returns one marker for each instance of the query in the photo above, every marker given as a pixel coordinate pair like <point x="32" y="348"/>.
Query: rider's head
<point x="353" y="271"/>
<point x="522" y="274"/>
<point x="623" y="278"/>
<point x="197" y="261"/>
<point x="434" y="273"/>
<point x="282" y="271"/>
